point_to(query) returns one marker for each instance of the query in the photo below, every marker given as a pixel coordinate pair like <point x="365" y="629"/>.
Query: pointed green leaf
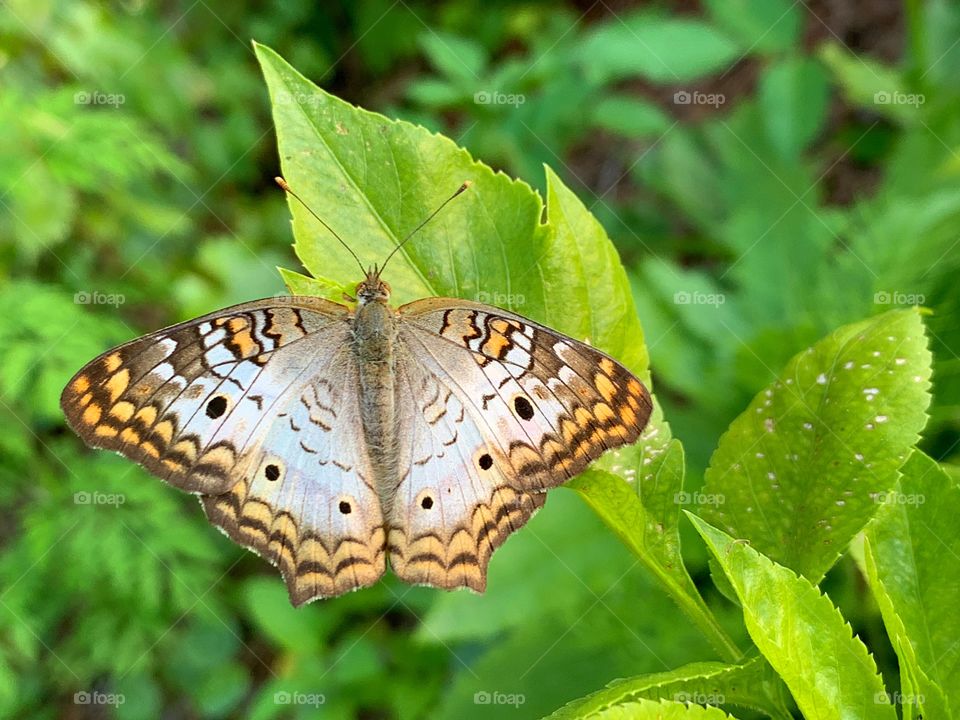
<point x="912" y="556"/>
<point x="801" y="634"/>
<point x="658" y="710"/>
<point x="373" y="180"/>
<point x="800" y="470"/>
<point x="753" y="684"/>
<point x="299" y="284"/>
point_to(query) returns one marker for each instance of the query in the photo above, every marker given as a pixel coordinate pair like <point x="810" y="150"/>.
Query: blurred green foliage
<point x="766" y="181"/>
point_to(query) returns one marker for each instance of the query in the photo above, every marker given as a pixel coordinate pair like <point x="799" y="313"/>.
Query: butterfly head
<point x="373" y="288"/>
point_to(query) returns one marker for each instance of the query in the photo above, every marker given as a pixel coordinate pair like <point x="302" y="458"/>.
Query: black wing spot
<point x="345" y="507"/>
<point x="272" y="472"/>
<point x="426" y="503"/>
<point x="216" y="407"/>
<point x="523" y="407"/>
<point x="485" y="462"/>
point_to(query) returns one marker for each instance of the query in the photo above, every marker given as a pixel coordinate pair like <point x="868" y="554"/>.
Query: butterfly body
<point x="332" y="439"/>
<point x="374" y="338"/>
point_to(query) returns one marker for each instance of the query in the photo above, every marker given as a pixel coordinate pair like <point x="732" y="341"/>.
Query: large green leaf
<point x="800" y="470"/>
<point x="912" y="555"/>
<point x="801" y="634"/>
<point x="660" y="710"/>
<point x="753" y="684"/>
<point x="373" y="180"/>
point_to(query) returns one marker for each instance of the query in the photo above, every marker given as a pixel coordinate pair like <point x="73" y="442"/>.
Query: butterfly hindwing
<point x="453" y="504"/>
<point x="524" y="407"/>
<point x="308" y="501"/>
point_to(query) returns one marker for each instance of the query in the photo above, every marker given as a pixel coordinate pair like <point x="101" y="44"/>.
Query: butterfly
<point x="332" y="439"/>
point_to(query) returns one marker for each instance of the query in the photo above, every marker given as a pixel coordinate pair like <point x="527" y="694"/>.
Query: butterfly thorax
<point x="374" y="340"/>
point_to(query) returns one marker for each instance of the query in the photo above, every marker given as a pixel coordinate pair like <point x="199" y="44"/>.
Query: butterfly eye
<point x="485" y="462"/>
<point x="427" y="502"/>
<point x="272" y="472"/>
<point x="345" y="507"/>
<point x="523" y="407"/>
<point x="216" y="407"/>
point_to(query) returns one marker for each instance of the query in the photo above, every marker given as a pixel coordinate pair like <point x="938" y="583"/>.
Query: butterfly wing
<point x="501" y="409"/>
<point x="251" y="408"/>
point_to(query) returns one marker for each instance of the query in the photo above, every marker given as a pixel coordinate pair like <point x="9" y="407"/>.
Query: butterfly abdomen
<point x="374" y="336"/>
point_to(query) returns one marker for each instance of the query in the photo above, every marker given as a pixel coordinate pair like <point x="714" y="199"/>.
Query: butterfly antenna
<point x="287" y="189"/>
<point x="430" y="217"/>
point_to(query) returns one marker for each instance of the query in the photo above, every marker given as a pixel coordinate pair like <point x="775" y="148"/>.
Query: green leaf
<point x="912" y="556"/>
<point x="663" y="50"/>
<point x="794" y="94"/>
<point x="629" y="116"/>
<point x="270" y="611"/>
<point x="798" y="473"/>
<point x="801" y="634"/>
<point x="461" y="60"/>
<point x="763" y="26"/>
<point x="220" y="692"/>
<point x="434" y="93"/>
<point x="299" y="284"/>
<point x="753" y="684"/>
<point x="658" y="710"/>
<point x="373" y="180"/>
<point x="871" y="85"/>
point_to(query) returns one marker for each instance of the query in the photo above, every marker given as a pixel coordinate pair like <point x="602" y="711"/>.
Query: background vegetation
<point x="768" y="170"/>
